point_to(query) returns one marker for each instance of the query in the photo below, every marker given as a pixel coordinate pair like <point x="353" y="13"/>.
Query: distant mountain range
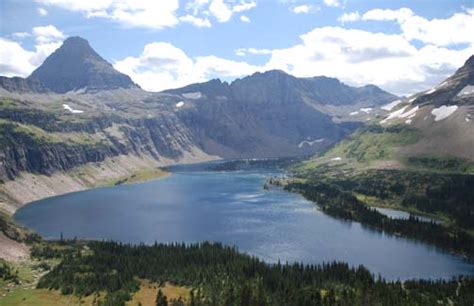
<point x="76" y="120"/>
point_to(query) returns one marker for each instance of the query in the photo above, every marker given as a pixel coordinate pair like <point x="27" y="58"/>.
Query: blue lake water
<point x="231" y="207"/>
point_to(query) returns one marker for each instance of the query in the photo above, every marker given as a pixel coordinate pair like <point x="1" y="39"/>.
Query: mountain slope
<point x="432" y="130"/>
<point x="419" y="158"/>
<point x="74" y="66"/>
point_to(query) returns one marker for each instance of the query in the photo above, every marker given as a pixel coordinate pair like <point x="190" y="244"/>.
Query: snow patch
<point x="388" y="107"/>
<point x="192" y="95"/>
<point x="309" y="143"/>
<point x="442" y="84"/>
<point x="354" y="113"/>
<point x="466" y="91"/>
<point x="467" y="119"/>
<point x="443" y="112"/>
<point x="401" y="114"/>
<point x="432" y="90"/>
<point x="412" y="99"/>
<point x="180" y="104"/>
<point x="366" y="110"/>
<point x="336" y="158"/>
<point x="394" y="114"/>
<point x="408" y="121"/>
<point x="74" y="111"/>
<point x="411" y="113"/>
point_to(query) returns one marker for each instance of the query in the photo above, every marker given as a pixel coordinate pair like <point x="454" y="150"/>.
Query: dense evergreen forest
<point x="221" y="275"/>
<point x="341" y="204"/>
<point x="342" y="193"/>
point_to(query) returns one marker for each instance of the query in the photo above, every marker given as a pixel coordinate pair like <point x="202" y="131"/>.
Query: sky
<point x="402" y="46"/>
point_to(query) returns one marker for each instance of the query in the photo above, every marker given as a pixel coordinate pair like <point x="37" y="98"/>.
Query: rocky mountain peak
<point x="457" y="89"/>
<point x="75" y="65"/>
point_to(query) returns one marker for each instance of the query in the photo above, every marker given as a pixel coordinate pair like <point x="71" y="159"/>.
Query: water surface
<point x="233" y="208"/>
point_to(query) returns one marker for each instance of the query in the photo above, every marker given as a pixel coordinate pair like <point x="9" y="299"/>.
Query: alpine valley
<point x="355" y="157"/>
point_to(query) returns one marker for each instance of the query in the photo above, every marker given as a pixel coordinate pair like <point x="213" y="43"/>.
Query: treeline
<point x="223" y="276"/>
<point x="338" y="202"/>
<point x="449" y="194"/>
<point x="7" y="273"/>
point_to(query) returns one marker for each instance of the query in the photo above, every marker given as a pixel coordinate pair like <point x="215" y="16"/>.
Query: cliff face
<point x="21" y="85"/>
<point x="40" y="142"/>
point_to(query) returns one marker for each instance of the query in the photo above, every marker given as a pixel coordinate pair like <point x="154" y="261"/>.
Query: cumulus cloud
<point x="244" y="6"/>
<point x="196" y="21"/>
<point x="244" y="18"/>
<point x="301" y="9"/>
<point x="456" y="29"/>
<point x="349" y="17"/>
<point x="17" y="61"/>
<point x="359" y="57"/>
<point x="132" y="13"/>
<point x="161" y="66"/>
<point x="220" y="10"/>
<point x="333" y="3"/>
<point x="47" y="34"/>
<point x="154" y="14"/>
<point x="42" y="11"/>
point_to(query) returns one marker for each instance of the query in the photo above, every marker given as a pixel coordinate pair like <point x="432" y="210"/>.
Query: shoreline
<point x="29" y="187"/>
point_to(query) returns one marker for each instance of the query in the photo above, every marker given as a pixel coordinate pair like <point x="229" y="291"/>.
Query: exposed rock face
<point x="269" y="114"/>
<point x="75" y="65"/>
<point x="21" y="85"/>
<point x="457" y="89"/>
<point x="92" y="140"/>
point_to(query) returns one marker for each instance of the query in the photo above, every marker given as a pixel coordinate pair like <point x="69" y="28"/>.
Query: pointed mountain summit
<point x="457" y="89"/>
<point x="75" y="65"/>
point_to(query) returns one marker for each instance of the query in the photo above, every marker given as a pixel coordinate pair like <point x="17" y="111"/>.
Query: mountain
<point x="72" y="67"/>
<point x="457" y="89"/>
<point x="431" y="130"/>
<point x="271" y="113"/>
<point x="76" y="122"/>
<point x="275" y="87"/>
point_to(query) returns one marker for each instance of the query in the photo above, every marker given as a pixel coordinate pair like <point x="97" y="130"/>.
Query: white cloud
<point x="14" y="60"/>
<point x="244" y="6"/>
<point x="388" y="15"/>
<point x="220" y="10"/>
<point x="244" y="18"/>
<point x="132" y="13"/>
<point x="196" y="21"/>
<point x="42" y="11"/>
<point x="253" y="51"/>
<point x="47" y="34"/>
<point x="349" y="17"/>
<point x="456" y="29"/>
<point x="301" y="9"/>
<point x="333" y="3"/>
<point x="162" y="66"/>
<point x="359" y="57"/>
<point x="17" y="61"/>
<point x="154" y="14"/>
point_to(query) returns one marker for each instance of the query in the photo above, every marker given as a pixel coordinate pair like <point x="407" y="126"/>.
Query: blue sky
<point x="402" y="46"/>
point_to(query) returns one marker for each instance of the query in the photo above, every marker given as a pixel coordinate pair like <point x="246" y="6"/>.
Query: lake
<point x="195" y="205"/>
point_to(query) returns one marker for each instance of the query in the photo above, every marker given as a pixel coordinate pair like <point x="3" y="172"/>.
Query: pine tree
<point x="161" y="299"/>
